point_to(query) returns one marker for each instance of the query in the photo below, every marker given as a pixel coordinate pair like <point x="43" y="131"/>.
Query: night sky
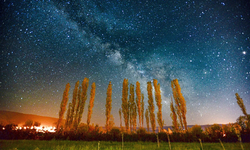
<point x="205" y="44"/>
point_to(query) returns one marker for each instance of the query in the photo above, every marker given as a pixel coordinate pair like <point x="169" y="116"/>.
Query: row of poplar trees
<point x="76" y="107"/>
<point x="129" y="109"/>
<point x="131" y="106"/>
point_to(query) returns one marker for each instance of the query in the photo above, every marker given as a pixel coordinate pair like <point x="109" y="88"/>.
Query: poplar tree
<point x="73" y="105"/>
<point x="108" y="105"/>
<point x="138" y="102"/>
<point x="77" y="108"/>
<point x="174" y="117"/>
<point x="125" y="109"/>
<point x="158" y="103"/>
<point x="241" y="104"/>
<point x="244" y="111"/>
<point x="147" y="119"/>
<point x="91" y="103"/>
<point x="180" y="103"/>
<point x="63" y="105"/>
<point x="142" y="109"/>
<point x="68" y="117"/>
<point x="177" y="104"/>
<point x="151" y="106"/>
<point x="85" y="84"/>
<point x="132" y="107"/>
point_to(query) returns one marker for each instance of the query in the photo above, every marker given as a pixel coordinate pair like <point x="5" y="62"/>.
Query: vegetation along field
<point x="83" y="145"/>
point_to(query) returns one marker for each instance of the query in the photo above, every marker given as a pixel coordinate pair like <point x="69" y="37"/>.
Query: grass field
<point x="82" y="145"/>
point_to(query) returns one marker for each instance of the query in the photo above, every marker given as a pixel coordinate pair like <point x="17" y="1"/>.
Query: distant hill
<point x="7" y="117"/>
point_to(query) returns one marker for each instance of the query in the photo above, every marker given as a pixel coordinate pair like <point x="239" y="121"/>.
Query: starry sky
<point x="205" y="44"/>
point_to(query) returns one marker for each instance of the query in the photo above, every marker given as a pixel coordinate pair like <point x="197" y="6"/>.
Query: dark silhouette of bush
<point x="141" y="133"/>
<point x="214" y="133"/>
<point x="226" y="133"/>
<point x="115" y="134"/>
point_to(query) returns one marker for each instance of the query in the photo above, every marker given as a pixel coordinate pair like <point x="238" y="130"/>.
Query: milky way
<point x="204" y="44"/>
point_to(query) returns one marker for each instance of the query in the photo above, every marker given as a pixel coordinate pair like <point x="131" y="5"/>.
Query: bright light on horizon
<point x="39" y="129"/>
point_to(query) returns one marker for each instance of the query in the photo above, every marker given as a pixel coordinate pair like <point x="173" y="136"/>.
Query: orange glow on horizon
<point x="41" y="128"/>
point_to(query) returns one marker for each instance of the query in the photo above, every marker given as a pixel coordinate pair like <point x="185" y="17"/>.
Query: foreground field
<point x="82" y="145"/>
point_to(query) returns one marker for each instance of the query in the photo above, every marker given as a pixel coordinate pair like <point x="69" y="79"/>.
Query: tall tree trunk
<point x="73" y="108"/>
<point x="63" y="106"/>
<point x="151" y="106"/>
<point x="158" y="103"/>
<point x="180" y="102"/>
<point x="138" y="102"/>
<point x="108" y="105"/>
<point x="91" y="103"/>
<point x="125" y="107"/>
<point x="85" y="84"/>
